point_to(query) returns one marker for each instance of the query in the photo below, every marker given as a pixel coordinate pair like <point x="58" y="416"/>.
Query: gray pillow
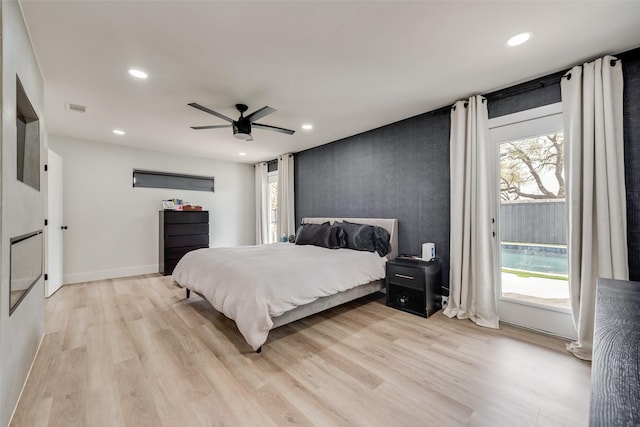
<point x="322" y="235"/>
<point x="358" y="236"/>
<point x="363" y="237"/>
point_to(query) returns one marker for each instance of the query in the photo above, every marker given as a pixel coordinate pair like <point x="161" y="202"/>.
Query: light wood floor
<point x="134" y="352"/>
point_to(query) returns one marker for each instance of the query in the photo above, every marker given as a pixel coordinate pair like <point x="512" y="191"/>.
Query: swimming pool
<point x="535" y="258"/>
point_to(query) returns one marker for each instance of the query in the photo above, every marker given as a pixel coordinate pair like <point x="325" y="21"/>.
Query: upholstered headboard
<point x="389" y="224"/>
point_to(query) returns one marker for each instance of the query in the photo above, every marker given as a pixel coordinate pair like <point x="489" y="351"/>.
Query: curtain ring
<point x="613" y="62"/>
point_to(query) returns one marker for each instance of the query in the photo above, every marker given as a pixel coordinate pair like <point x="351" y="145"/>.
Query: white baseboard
<point x="91" y="276"/>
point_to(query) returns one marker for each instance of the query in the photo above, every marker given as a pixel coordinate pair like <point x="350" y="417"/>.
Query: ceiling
<point x="344" y="67"/>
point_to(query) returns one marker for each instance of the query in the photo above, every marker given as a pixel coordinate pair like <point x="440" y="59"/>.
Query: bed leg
<point x="259" y="350"/>
<point x="188" y="293"/>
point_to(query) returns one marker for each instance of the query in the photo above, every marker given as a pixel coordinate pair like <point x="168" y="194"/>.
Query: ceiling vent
<point x="75" y="107"/>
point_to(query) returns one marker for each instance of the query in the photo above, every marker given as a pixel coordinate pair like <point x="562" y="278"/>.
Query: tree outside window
<point x="533" y="168"/>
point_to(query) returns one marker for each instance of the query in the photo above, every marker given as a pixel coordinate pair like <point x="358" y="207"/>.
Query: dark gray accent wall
<point x="396" y="171"/>
<point x="402" y="170"/>
<point x="631" y="72"/>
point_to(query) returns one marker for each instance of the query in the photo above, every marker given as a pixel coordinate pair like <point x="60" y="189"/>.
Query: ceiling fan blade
<point x="258" y="114"/>
<point x="210" y="111"/>
<point x="210" y="127"/>
<point x="273" y="128"/>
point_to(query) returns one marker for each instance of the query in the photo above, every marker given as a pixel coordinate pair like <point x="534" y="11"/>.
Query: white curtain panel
<point x="262" y="204"/>
<point x="286" y="204"/>
<point x="472" y="293"/>
<point x="596" y="198"/>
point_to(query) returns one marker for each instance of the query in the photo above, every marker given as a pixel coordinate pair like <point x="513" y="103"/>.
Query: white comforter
<point x="252" y="284"/>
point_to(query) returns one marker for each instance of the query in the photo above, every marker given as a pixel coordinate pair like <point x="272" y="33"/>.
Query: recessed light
<point x="307" y="126"/>
<point x="137" y="73"/>
<point x="518" y="39"/>
<point x="242" y="154"/>
<point x="118" y="132"/>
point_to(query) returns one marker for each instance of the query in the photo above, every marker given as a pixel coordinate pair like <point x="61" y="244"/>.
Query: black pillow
<point x="381" y="240"/>
<point x="358" y="237"/>
<point x="321" y="235"/>
<point x="363" y="237"/>
<point x="337" y="237"/>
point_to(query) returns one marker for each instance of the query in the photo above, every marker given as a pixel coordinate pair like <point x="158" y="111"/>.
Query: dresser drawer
<point x="406" y="276"/>
<point x="177" y="217"/>
<point x="190" y="240"/>
<point x="177" y="253"/>
<point x="185" y="229"/>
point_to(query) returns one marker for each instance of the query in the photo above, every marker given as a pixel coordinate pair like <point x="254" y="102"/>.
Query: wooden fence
<point x="533" y="222"/>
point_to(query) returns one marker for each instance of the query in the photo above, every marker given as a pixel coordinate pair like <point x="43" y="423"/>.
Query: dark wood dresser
<point x="615" y="370"/>
<point x="181" y="232"/>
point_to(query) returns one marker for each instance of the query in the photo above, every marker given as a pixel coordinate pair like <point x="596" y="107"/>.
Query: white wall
<point x="113" y="227"/>
<point x="22" y="211"/>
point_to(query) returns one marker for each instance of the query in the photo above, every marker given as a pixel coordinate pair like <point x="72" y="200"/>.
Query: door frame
<point x="550" y="320"/>
<point x="55" y="234"/>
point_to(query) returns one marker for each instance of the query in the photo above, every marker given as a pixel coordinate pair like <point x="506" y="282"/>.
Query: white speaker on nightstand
<point x="428" y="251"/>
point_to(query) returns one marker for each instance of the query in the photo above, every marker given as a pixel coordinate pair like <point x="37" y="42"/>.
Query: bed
<point x="267" y="286"/>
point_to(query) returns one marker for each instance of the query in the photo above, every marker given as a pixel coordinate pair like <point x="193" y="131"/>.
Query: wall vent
<point x="75" y="107"/>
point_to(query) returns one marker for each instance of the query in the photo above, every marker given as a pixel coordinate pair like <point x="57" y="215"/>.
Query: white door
<point x="532" y="268"/>
<point x="55" y="229"/>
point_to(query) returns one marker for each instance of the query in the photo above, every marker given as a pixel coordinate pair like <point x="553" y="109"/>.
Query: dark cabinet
<point x="181" y="232"/>
<point x="414" y="286"/>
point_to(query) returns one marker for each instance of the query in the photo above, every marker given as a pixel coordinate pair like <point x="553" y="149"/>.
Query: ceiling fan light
<point x="242" y="136"/>
<point x="242" y="129"/>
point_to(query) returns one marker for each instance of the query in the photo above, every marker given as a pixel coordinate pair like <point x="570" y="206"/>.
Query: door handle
<point x="64" y="227"/>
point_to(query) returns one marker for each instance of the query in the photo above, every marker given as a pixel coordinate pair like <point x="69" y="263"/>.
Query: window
<point x="272" y="179"/>
<point x="533" y="242"/>
<point x="152" y="179"/>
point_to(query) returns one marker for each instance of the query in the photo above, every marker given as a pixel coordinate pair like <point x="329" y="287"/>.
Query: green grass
<point x="524" y="273"/>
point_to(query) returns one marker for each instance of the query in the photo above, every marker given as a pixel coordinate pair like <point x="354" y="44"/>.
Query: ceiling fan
<point x="242" y="126"/>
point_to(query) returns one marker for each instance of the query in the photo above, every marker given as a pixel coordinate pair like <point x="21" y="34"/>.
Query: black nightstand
<point x="414" y="286"/>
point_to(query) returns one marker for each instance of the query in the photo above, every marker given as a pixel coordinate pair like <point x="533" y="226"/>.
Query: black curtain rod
<point x="519" y="89"/>
<point x="529" y="86"/>
<point x="612" y="63"/>
<point x="549" y="80"/>
<point x="545" y="81"/>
